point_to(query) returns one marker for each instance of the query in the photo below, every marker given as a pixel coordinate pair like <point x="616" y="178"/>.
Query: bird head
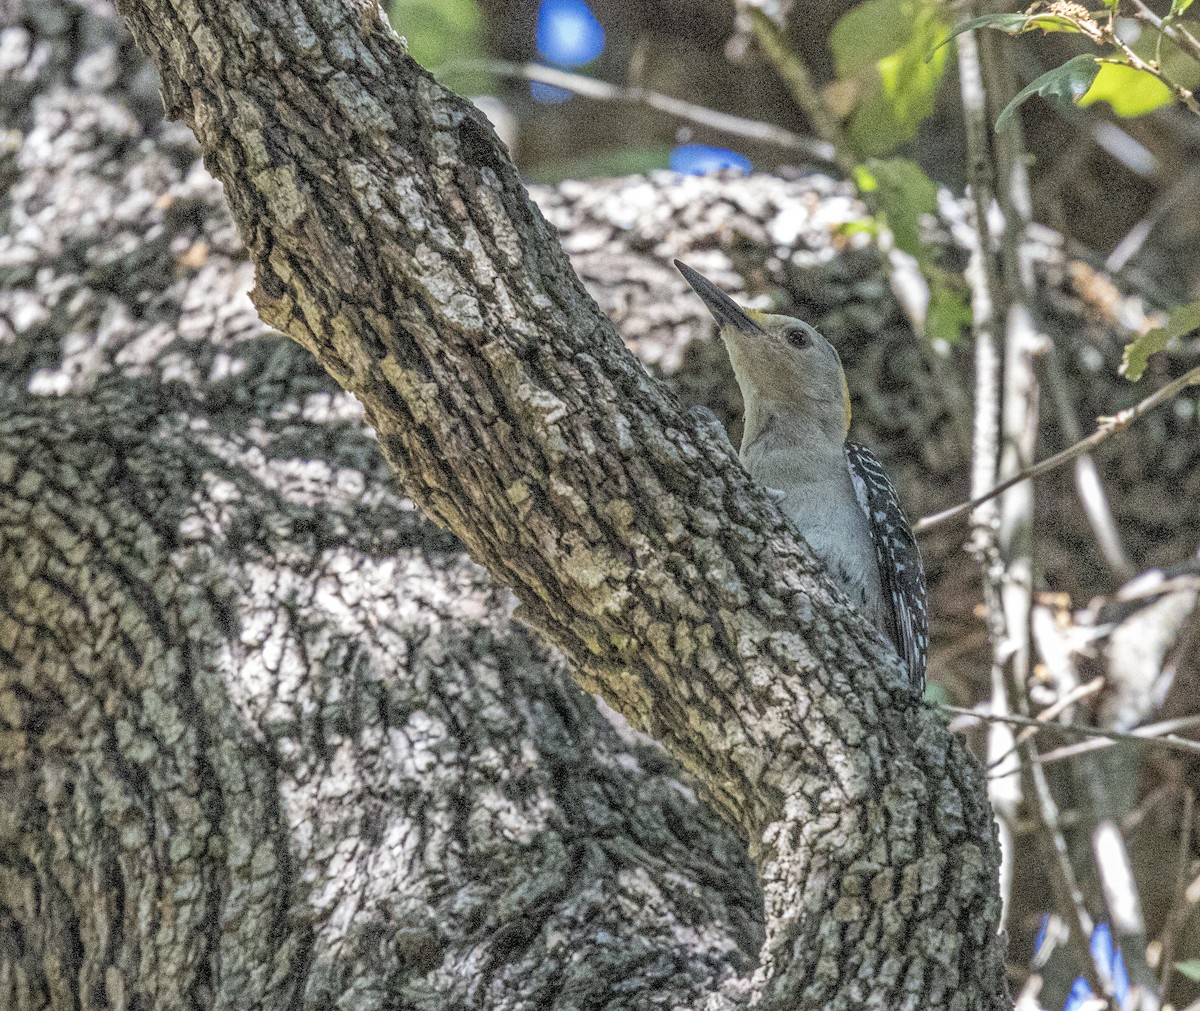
<point x="782" y="364"/>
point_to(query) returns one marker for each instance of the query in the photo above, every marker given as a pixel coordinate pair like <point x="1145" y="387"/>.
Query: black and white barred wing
<point x="900" y="568"/>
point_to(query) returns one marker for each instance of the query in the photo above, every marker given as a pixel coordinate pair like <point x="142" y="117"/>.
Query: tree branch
<point x="1107" y="428"/>
<point x="605" y="91"/>
<point x="393" y="239"/>
<point x="1161" y="734"/>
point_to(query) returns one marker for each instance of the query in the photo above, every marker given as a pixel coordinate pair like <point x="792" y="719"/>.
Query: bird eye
<point x="799" y="337"/>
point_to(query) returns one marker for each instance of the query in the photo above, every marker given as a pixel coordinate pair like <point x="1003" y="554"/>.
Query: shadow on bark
<point x="268" y="737"/>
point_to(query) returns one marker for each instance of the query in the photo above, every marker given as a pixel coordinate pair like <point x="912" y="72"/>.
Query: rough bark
<point x="392" y="238"/>
<point x="118" y="262"/>
<point x="267" y="738"/>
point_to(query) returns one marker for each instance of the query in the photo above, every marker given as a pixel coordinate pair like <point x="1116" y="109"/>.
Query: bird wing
<point x="900" y="568"/>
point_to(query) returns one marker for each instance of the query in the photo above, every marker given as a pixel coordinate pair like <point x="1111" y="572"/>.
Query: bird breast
<point x="826" y="511"/>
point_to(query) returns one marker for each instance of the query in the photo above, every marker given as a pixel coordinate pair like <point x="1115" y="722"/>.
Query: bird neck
<point x="780" y="437"/>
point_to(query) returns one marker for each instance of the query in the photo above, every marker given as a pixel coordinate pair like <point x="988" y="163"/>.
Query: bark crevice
<point x="328" y="651"/>
<point x="506" y="405"/>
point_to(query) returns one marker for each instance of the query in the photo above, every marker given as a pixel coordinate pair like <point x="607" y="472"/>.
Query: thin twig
<point x="799" y="82"/>
<point x="1181" y="93"/>
<point x="1148" y="804"/>
<point x="1089" y="486"/>
<point x="1107" y="428"/>
<point x="1146" y="589"/>
<point x="1156" y="734"/>
<point x="1046" y="715"/>
<point x="1162" y="734"/>
<point x="1135" y="238"/>
<point x="1179" y="911"/>
<point x="1176" y="33"/>
<point x="1062" y="874"/>
<point x="590" y="87"/>
<point x="1074" y="751"/>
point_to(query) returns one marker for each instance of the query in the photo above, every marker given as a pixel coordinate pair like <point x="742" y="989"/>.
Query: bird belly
<point x="840" y="537"/>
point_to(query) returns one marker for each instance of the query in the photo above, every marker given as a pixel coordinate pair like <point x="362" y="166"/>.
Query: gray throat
<point x="788" y="445"/>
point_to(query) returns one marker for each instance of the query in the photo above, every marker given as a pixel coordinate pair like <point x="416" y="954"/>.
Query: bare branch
<point x="591" y="87"/>
<point x="1156" y="734"/>
<point x="804" y="90"/>
<point x="1182" y="95"/>
<point x="1044" y="718"/>
<point x="1062" y="873"/>
<point x="1178" y="914"/>
<point x="1174" y="31"/>
<point x="1107" y="428"/>
<point x="987" y="295"/>
<point x="1089" y="486"/>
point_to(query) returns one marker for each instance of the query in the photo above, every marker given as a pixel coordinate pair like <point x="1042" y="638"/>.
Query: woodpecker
<point x="797" y="418"/>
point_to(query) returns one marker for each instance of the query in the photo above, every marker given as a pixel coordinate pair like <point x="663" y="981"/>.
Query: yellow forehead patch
<point x="756" y="315"/>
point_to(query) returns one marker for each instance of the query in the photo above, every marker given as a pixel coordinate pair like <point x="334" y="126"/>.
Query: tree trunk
<point x="392" y="239"/>
<point x="267" y="738"/>
<point x="269" y="741"/>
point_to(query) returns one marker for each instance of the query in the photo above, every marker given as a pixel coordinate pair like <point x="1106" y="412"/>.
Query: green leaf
<point x="1177" y="8"/>
<point x="899" y="192"/>
<point x="1130" y="91"/>
<point x="1182" y="320"/>
<point x="438" y="30"/>
<point x="1190" y="968"/>
<point x="865" y="34"/>
<point x="947" y="315"/>
<point x="1013" y="24"/>
<point x="881" y="47"/>
<point x="1065" y="84"/>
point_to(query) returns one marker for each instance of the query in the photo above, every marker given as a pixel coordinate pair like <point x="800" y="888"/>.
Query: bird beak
<point x="724" y="309"/>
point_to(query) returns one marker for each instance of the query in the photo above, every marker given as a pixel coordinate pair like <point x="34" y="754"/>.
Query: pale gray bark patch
<point x="133" y="271"/>
<point x="267" y="737"/>
<point x="393" y="239"/>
